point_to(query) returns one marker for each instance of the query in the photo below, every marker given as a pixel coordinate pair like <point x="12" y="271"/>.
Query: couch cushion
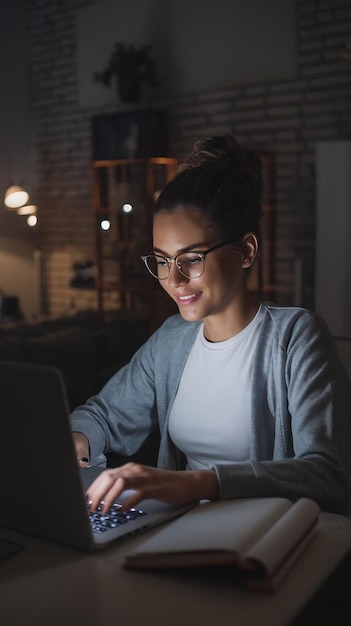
<point x="73" y="352"/>
<point x="11" y="349"/>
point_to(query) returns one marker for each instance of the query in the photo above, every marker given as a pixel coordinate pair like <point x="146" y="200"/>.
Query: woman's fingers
<point x="109" y="485"/>
<point x="105" y="490"/>
<point x="147" y="482"/>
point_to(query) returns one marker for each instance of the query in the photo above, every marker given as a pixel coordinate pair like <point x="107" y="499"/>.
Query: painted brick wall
<point x="287" y="118"/>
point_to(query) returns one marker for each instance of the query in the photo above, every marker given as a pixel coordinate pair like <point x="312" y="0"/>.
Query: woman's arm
<point x="173" y="487"/>
<point x="121" y="416"/>
<point x="138" y="397"/>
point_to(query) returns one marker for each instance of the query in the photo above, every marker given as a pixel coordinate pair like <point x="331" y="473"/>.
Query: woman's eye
<point x="161" y="262"/>
<point x="192" y="260"/>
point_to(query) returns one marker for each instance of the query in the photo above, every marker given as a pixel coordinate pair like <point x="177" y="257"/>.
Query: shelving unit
<point x="124" y="194"/>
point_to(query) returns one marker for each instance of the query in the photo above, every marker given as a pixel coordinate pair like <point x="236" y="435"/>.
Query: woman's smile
<point x="186" y="300"/>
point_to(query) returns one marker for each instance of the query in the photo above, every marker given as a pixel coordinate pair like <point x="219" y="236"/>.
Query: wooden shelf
<point x="122" y="279"/>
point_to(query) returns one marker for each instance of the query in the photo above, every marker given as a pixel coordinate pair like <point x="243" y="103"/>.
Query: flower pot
<point x="129" y="89"/>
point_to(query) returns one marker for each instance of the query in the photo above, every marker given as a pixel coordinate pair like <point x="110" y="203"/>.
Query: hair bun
<point x="222" y="180"/>
<point x="226" y="151"/>
<point x="211" y="149"/>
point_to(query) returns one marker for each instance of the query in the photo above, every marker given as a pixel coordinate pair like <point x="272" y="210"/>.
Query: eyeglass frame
<point x="201" y="253"/>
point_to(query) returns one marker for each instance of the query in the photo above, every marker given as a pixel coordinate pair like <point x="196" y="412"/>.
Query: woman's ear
<point x="250" y="248"/>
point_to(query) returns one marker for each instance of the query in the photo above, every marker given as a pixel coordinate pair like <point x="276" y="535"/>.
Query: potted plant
<point x="131" y="67"/>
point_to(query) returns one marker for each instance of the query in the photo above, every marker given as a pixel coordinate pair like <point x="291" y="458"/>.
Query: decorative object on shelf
<point x="83" y="275"/>
<point x="132" y="67"/>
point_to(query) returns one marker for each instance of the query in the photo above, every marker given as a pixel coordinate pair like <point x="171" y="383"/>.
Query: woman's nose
<point x="175" y="276"/>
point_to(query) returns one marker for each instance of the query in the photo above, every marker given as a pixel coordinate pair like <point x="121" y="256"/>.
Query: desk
<point x="50" y="585"/>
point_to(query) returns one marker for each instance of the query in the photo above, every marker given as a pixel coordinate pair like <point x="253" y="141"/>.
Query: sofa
<point x="87" y="350"/>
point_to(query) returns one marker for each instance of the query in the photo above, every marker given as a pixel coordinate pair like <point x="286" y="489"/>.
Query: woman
<point x="250" y="398"/>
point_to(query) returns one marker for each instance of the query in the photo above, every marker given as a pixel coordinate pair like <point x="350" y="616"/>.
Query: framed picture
<point x="129" y="135"/>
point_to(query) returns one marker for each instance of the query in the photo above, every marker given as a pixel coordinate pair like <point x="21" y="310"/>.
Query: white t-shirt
<point x="211" y="416"/>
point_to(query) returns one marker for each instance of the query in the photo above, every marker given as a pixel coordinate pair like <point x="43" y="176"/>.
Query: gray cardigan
<point x="301" y="410"/>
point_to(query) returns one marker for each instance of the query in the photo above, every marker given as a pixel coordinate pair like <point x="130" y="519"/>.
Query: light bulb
<point x="27" y="209"/>
<point x="32" y="220"/>
<point x="105" y="224"/>
<point x="15" y="197"/>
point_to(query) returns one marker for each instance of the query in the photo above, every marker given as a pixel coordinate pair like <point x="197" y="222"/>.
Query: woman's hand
<point x="81" y="444"/>
<point x="173" y="487"/>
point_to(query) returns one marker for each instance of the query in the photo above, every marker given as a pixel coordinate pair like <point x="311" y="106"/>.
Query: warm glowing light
<point x="15" y="197"/>
<point x="27" y="209"/>
<point x="32" y="220"/>
<point x="127" y="208"/>
<point x="105" y="224"/>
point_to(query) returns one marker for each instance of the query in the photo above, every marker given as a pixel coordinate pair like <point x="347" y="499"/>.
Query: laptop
<point x="42" y="489"/>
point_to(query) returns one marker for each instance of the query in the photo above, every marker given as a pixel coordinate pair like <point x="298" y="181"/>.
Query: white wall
<point x="198" y="45"/>
<point x="18" y="275"/>
<point x="333" y="221"/>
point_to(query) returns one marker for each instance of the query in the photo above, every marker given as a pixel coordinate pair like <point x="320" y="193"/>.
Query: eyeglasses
<point x="189" y="264"/>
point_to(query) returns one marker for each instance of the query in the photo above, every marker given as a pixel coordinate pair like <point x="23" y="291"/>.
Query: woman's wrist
<point x="204" y="484"/>
<point x="81" y="443"/>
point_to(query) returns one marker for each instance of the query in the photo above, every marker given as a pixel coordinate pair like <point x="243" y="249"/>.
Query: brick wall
<point x="287" y="118"/>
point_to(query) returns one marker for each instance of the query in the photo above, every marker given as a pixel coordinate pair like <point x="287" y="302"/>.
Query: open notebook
<point x="258" y="538"/>
<point x="41" y="486"/>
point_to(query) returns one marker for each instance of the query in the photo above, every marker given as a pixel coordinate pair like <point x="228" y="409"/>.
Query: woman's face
<point x="220" y="287"/>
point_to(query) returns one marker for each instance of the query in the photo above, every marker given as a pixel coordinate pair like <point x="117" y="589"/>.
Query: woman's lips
<point x="188" y="299"/>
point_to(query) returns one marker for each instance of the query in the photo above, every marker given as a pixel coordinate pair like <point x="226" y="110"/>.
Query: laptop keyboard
<point x="114" y="517"/>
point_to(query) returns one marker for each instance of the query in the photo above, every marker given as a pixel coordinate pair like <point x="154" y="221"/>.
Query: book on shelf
<point x="260" y="537"/>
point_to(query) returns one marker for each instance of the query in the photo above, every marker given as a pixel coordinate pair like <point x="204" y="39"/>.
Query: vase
<point x="129" y="89"/>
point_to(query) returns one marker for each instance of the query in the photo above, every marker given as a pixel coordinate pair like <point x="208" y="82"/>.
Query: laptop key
<point x="101" y="522"/>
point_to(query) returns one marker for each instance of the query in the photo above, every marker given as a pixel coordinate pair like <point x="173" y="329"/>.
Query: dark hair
<point x="221" y="179"/>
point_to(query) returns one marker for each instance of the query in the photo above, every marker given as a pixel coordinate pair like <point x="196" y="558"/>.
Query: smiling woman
<point x="250" y="399"/>
<point x="204" y="282"/>
<point x="221" y="194"/>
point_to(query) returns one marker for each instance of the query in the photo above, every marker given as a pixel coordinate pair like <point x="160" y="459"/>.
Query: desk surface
<point x="49" y="585"/>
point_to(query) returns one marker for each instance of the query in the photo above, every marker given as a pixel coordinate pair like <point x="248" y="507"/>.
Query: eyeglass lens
<point x="190" y="264"/>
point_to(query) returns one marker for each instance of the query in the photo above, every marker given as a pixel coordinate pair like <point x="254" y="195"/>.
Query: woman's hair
<point x="222" y="180"/>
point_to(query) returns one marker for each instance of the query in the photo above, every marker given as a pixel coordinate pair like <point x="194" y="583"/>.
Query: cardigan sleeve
<point x="301" y="418"/>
